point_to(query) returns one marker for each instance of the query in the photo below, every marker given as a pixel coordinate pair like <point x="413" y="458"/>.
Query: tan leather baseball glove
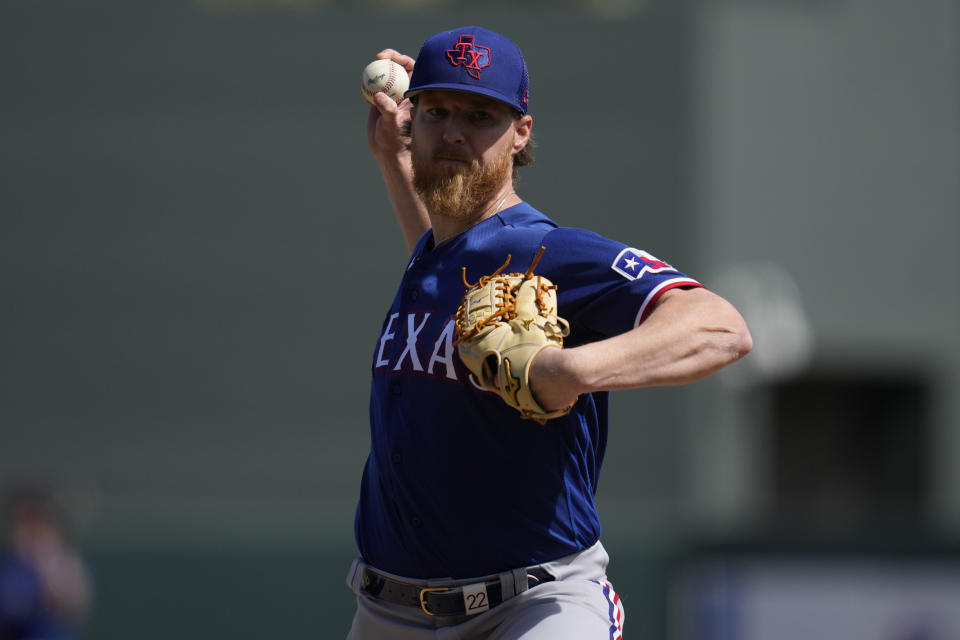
<point x="504" y="321"/>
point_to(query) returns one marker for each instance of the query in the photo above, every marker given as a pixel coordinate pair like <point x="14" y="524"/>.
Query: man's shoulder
<point x="524" y="216"/>
<point x="524" y="229"/>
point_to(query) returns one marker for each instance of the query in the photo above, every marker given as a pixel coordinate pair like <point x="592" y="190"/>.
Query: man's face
<point x="462" y="149"/>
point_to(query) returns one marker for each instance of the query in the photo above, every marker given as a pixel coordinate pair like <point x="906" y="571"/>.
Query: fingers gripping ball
<point x="504" y="321"/>
<point x="384" y="75"/>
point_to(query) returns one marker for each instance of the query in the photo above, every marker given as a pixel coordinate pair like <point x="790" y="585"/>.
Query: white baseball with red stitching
<point x="386" y="76"/>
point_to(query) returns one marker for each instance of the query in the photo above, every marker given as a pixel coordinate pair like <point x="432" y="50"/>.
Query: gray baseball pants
<point x="579" y="604"/>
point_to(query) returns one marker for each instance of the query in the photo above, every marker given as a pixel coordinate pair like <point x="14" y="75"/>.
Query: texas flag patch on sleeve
<point x="632" y="264"/>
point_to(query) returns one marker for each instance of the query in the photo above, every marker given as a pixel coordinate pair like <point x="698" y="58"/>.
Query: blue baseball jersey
<point x="457" y="484"/>
<point x="24" y="608"/>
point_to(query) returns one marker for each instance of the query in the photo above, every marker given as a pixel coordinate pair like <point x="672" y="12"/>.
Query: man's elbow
<point x="730" y="331"/>
<point x="739" y="342"/>
<point x="744" y="342"/>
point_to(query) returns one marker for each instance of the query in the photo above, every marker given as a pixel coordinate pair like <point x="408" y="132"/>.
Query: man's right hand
<point x="386" y="120"/>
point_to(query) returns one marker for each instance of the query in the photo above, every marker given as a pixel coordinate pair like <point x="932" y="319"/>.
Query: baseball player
<point x="488" y="403"/>
<point x="46" y="589"/>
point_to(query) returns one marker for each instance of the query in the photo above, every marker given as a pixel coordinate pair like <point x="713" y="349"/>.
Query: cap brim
<point x="467" y="88"/>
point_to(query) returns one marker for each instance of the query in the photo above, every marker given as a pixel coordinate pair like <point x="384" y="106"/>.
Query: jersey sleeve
<point x="604" y="287"/>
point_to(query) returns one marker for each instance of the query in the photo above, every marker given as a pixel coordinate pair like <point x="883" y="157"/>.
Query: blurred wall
<point x="827" y="180"/>
<point x="187" y="205"/>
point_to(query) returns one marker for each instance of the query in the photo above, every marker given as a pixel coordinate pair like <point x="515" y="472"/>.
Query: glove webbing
<point x="507" y="298"/>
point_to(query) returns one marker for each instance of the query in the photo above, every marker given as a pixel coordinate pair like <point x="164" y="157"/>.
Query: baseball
<point x="386" y="76"/>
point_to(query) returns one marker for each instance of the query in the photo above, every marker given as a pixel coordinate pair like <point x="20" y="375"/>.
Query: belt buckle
<point x="423" y="598"/>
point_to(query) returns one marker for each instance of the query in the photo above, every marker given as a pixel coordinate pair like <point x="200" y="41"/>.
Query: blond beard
<point x="460" y="191"/>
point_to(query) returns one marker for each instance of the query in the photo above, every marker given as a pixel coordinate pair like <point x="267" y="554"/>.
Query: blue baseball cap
<point x="476" y="60"/>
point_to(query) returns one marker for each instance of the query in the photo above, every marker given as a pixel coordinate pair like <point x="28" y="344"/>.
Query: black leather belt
<point x="441" y="601"/>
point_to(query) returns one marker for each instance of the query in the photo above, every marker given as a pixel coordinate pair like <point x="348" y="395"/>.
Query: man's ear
<point x="521" y="132"/>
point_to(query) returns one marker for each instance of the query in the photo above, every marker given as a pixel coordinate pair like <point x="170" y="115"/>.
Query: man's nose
<point x="452" y="131"/>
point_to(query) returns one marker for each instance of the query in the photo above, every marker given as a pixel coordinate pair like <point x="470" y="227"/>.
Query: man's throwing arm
<point x="387" y="143"/>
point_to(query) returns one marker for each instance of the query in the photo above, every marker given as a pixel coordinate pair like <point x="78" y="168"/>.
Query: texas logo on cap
<point x="473" y="57"/>
<point x="463" y="60"/>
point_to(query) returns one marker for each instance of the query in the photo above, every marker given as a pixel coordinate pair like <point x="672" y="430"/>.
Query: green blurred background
<point x="187" y="207"/>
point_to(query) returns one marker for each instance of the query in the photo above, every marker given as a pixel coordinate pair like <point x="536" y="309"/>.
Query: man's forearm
<point x="409" y="209"/>
<point x="386" y="141"/>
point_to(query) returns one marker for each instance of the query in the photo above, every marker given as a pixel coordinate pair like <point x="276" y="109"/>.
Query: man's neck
<point x="445" y="228"/>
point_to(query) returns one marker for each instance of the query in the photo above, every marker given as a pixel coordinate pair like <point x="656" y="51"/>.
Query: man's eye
<point x="481" y="116"/>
